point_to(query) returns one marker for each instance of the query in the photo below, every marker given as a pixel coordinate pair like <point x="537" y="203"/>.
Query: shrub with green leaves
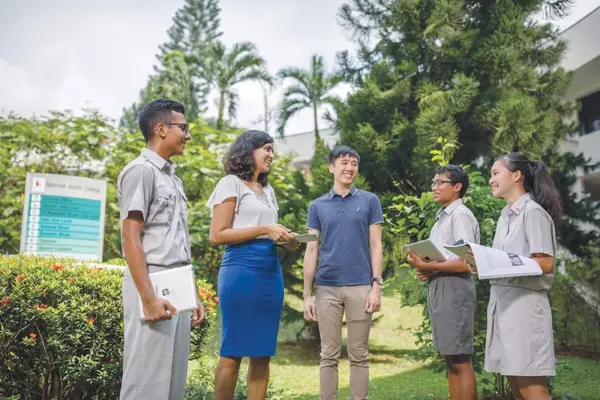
<point x="61" y="329"/>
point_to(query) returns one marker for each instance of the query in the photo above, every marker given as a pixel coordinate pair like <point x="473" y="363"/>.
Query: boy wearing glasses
<point x="451" y="295"/>
<point x="155" y="237"/>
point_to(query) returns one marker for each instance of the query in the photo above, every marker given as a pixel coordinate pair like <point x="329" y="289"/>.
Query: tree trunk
<point x="221" y="109"/>
<point x="316" y="118"/>
<point x="266" y="104"/>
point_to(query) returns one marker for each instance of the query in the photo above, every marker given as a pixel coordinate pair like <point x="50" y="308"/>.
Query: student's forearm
<point x="310" y="266"/>
<point x="454" y="266"/>
<point x="136" y="260"/>
<point x="377" y="260"/>
<point x="232" y="236"/>
<point x="546" y="262"/>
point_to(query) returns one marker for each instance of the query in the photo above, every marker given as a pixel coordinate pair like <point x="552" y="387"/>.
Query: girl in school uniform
<point x="519" y="340"/>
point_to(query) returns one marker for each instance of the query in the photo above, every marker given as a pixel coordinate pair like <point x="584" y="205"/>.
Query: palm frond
<point x="287" y="109"/>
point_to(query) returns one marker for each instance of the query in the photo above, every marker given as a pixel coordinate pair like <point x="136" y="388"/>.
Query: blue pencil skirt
<point x="251" y="299"/>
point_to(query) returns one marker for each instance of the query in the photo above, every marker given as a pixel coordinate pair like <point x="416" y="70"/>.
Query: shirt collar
<point x="353" y="191"/>
<point x="518" y="205"/>
<point x="168" y="165"/>
<point x="450" y="209"/>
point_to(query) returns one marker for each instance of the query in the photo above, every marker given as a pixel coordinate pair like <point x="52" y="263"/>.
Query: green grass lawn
<point x="393" y="373"/>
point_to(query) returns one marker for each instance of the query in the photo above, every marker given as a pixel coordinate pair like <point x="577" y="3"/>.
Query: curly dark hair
<point x="239" y="160"/>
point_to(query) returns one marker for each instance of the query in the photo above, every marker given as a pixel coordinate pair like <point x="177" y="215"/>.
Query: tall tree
<point x="171" y="80"/>
<point x="311" y="89"/>
<point x="484" y="76"/>
<point x="226" y="69"/>
<point x="196" y="26"/>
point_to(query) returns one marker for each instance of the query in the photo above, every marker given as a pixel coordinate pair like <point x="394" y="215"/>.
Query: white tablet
<point x="175" y="285"/>
<point x="427" y="250"/>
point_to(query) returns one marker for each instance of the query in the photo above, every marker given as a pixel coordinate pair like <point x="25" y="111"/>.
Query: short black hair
<point x="155" y="111"/>
<point x="239" y="160"/>
<point x="456" y="175"/>
<point x="341" y="151"/>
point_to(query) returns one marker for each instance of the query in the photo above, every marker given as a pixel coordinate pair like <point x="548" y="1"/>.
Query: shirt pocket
<point x="164" y="204"/>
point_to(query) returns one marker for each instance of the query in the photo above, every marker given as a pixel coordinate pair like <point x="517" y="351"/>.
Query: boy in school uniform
<point x="349" y="223"/>
<point x="155" y="237"/>
<point x="451" y="294"/>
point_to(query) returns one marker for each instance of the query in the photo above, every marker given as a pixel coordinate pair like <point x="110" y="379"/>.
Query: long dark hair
<point x="239" y="160"/>
<point x="537" y="181"/>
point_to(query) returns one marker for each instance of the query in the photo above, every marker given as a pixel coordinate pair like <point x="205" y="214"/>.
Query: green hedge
<point x="61" y="329"/>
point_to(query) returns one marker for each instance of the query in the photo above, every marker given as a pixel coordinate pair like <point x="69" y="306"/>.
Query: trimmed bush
<point x="61" y="329"/>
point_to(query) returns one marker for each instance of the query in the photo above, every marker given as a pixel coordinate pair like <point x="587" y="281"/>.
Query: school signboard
<point x="63" y="216"/>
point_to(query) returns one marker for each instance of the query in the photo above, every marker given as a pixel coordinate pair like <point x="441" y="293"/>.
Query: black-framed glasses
<point x="183" y="126"/>
<point x="439" y="183"/>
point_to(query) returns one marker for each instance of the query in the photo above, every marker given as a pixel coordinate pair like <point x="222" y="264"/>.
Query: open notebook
<point x="493" y="263"/>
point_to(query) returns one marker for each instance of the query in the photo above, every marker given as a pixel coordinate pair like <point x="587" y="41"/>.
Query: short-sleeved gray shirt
<point x="148" y="184"/>
<point x="525" y="229"/>
<point x="455" y="222"/>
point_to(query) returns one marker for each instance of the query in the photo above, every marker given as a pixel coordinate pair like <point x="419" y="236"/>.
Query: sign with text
<point x="63" y="216"/>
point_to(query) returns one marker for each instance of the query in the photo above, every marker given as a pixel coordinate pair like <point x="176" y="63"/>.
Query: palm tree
<point x="228" y="68"/>
<point x="310" y="90"/>
<point x="553" y="9"/>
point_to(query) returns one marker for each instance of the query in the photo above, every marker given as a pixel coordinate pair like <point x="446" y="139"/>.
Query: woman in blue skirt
<point x="244" y="218"/>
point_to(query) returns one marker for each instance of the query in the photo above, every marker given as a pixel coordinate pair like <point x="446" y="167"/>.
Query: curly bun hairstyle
<point x="239" y="160"/>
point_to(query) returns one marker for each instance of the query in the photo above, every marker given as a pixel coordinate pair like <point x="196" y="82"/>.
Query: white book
<point x="427" y="250"/>
<point x="303" y="238"/>
<point x="493" y="263"/>
<point x="175" y="285"/>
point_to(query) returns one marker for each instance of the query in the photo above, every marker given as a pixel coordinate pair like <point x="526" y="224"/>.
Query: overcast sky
<point x="74" y="54"/>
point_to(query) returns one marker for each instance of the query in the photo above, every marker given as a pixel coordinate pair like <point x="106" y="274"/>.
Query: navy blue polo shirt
<point x="345" y="254"/>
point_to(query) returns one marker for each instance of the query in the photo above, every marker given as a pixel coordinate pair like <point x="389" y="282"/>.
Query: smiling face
<point x="443" y="189"/>
<point x="503" y="181"/>
<point x="175" y="132"/>
<point x="263" y="158"/>
<point x="344" y="169"/>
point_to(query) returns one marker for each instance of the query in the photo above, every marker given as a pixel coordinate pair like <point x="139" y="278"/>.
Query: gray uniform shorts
<point x="451" y="304"/>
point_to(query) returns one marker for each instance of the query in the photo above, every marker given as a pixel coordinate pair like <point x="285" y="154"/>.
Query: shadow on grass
<point x="288" y="353"/>
<point x="416" y="384"/>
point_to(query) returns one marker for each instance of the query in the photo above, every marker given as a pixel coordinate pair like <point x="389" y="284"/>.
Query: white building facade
<point x="583" y="58"/>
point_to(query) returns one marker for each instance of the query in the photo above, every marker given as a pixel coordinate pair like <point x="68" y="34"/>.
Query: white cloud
<point x="74" y="54"/>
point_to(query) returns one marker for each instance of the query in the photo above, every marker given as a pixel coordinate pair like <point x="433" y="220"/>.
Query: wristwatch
<point x="378" y="279"/>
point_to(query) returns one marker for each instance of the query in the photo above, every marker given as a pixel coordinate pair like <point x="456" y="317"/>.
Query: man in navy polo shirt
<point x="349" y="223"/>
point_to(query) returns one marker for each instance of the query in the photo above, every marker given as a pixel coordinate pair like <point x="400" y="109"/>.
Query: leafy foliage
<point x="61" y="329"/>
<point x="60" y="143"/>
<point x="484" y="76"/>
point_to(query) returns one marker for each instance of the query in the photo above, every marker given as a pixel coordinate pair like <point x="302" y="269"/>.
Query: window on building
<point x="589" y="116"/>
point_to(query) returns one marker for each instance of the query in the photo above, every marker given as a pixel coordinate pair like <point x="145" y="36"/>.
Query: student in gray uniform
<point x="451" y="295"/>
<point x="519" y="342"/>
<point x="154" y="234"/>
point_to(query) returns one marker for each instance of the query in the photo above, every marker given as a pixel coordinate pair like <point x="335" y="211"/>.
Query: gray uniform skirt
<point x="519" y="338"/>
<point x="451" y="304"/>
